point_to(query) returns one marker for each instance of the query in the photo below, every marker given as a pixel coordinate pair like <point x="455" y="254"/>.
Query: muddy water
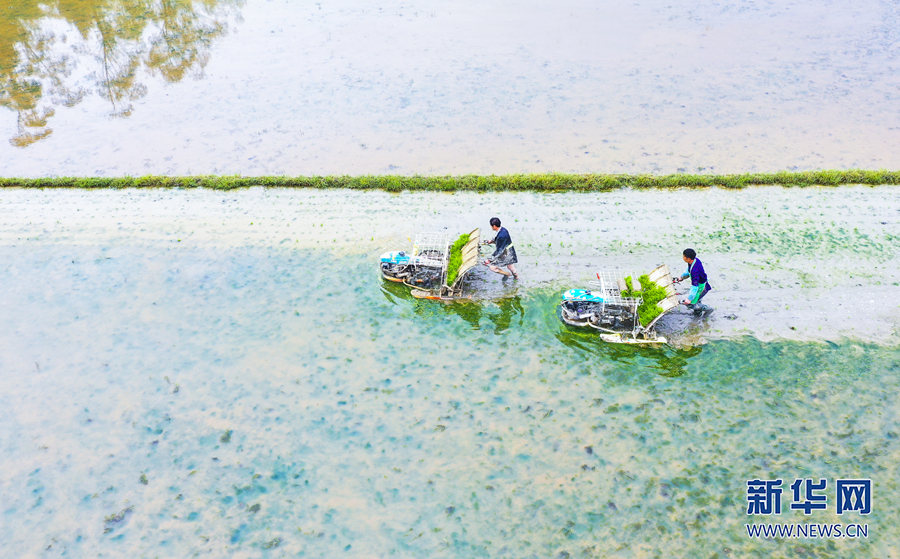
<point x="268" y="87"/>
<point x="193" y="372"/>
<point x="803" y="264"/>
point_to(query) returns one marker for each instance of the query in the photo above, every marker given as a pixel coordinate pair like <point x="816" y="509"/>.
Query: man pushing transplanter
<point x="504" y="253"/>
<point x="699" y="283"/>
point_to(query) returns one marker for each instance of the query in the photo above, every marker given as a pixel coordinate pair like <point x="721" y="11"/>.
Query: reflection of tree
<point x="183" y="43"/>
<point x="170" y="38"/>
<point x="25" y="67"/>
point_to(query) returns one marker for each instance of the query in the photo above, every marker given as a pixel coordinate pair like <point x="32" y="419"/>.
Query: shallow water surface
<point x="95" y="87"/>
<point x="245" y="384"/>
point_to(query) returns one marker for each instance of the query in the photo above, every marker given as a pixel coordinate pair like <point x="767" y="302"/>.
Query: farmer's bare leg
<point x="498" y="270"/>
<point x="512" y="269"/>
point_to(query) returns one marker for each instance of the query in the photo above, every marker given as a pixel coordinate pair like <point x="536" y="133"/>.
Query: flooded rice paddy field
<point x="96" y="87"/>
<point x="199" y="373"/>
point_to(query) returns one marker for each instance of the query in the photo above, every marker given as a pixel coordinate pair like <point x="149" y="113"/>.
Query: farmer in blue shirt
<point x="699" y="284"/>
<point x="504" y="253"/>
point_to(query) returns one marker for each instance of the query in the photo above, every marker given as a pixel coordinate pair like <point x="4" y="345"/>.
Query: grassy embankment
<point x="553" y="182"/>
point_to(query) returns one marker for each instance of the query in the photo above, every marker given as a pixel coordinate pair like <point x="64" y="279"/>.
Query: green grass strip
<point x="456" y="258"/>
<point x="549" y="182"/>
<point x="651" y="293"/>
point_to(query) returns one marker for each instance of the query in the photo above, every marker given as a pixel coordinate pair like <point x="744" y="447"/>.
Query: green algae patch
<point x="118" y="517"/>
<point x="651" y="294"/>
<point x="112" y="520"/>
<point x="546" y="182"/>
<point x="456" y="258"/>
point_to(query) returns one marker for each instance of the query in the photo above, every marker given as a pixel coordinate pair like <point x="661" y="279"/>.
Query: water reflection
<point x="57" y="52"/>
<point x="395" y="292"/>
<point x="666" y="360"/>
<point x="509" y="310"/>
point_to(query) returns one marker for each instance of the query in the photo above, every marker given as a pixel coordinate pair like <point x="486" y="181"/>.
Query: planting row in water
<point x="553" y="182"/>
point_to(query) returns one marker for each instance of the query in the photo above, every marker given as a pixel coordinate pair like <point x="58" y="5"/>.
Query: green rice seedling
<point x="456" y="258"/>
<point x="651" y="293"/>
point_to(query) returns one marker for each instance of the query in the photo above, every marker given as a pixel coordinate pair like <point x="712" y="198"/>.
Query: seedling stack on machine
<point x="623" y="308"/>
<point x="435" y="269"/>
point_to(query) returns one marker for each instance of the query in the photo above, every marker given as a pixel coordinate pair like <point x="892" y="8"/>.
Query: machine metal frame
<point x="425" y="270"/>
<point x="615" y="315"/>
